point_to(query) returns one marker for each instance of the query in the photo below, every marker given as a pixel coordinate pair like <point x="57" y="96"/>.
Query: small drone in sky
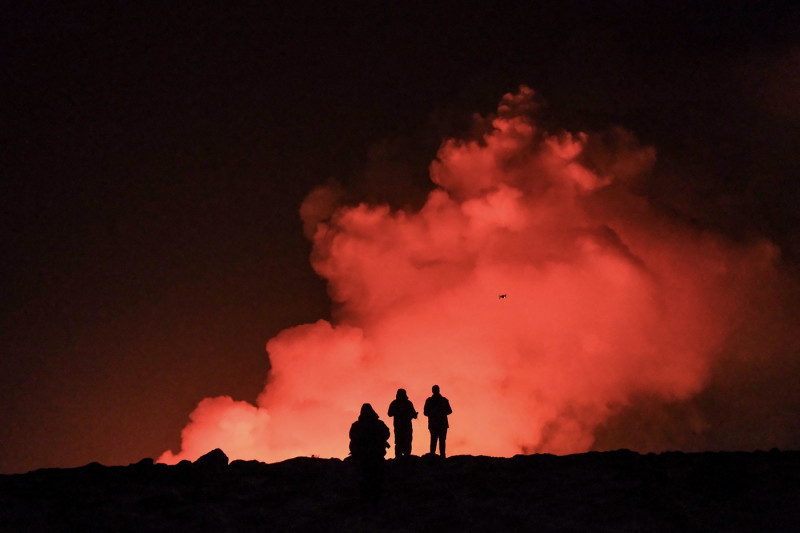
<point x="503" y="296"/>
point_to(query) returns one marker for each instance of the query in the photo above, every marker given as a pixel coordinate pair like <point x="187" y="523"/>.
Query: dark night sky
<point x="154" y="159"/>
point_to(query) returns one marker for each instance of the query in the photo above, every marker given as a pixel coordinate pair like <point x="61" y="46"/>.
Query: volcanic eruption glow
<point x="604" y="298"/>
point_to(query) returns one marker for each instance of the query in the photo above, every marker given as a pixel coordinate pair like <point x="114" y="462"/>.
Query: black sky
<point x="155" y="156"/>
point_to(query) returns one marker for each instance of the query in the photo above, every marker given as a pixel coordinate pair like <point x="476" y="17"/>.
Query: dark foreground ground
<point x="611" y="491"/>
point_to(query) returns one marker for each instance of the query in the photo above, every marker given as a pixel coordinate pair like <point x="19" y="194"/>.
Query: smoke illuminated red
<point x="535" y="286"/>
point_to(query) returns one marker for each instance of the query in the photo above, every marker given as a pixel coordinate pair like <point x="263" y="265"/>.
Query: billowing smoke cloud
<point x="535" y="286"/>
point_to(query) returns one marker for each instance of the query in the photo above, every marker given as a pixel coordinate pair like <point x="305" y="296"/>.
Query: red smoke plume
<point x="605" y="299"/>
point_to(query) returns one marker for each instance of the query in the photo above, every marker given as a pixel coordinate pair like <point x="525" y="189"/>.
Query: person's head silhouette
<point x="401" y="394"/>
<point x="367" y="412"/>
<point x="435" y="389"/>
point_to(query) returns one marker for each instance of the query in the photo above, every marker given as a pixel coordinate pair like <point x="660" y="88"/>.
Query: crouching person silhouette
<point x="437" y="407"/>
<point x="368" y="442"/>
<point x="402" y="411"/>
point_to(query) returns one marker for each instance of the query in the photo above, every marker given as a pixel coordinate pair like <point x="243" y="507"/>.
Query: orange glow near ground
<point x="606" y="299"/>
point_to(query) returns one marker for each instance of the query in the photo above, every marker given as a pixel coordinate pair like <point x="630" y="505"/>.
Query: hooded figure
<point x="437" y="407"/>
<point x="402" y="410"/>
<point x="368" y="443"/>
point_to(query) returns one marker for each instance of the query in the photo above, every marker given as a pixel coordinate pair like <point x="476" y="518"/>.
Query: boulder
<point x="213" y="460"/>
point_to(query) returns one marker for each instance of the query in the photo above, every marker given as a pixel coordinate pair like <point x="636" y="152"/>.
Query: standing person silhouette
<point x="402" y="410"/>
<point x="368" y="443"/>
<point x="437" y="407"/>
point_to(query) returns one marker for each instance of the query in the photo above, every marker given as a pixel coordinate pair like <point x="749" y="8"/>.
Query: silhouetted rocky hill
<point x="611" y="491"/>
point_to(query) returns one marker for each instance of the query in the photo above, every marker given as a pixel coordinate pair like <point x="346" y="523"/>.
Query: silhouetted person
<point x="402" y="410"/>
<point x="368" y="443"/>
<point x="437" y="407"/>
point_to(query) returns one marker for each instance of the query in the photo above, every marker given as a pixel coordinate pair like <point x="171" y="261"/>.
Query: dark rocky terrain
<point x="610" y="491"/>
